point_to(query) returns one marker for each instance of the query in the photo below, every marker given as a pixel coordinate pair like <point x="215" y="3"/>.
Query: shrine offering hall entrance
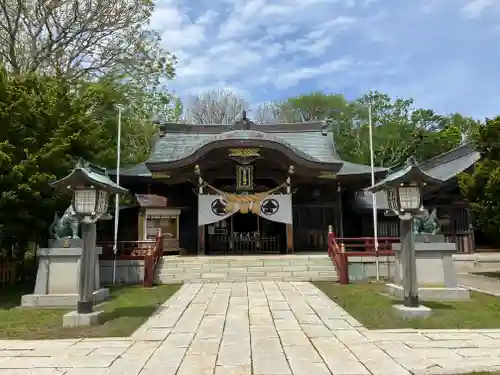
<point x="245" y="233"/>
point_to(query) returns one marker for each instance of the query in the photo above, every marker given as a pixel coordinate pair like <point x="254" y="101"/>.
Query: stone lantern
<point x="91" y="188"/>
<point x="404" y="191"/>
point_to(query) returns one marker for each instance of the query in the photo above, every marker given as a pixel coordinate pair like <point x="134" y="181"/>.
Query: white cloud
<point x="291" y="78"/>
<point x="270" y="49"/>
<point x="231" y="40"/>
<point x="474" y="8"/>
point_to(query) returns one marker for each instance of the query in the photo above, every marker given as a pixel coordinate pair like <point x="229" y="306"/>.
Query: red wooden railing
<point x="341" y="248"/>
<point x="126" y="250"/>
<point x="365" y="246"/>
<point x="338" y="257"/>
<point x="149" y="251"/>
<point x="152" y="258"/>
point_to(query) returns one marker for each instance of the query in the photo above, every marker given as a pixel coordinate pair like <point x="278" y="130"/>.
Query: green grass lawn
<point x="127" y="308"/>
<point x="374" y="311"/>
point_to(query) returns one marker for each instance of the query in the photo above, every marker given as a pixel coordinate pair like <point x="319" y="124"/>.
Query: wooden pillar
<point x="289" y="227"/>
<point x="201" y="240"/>
<point x="340" y="229"/>
<point x="141" y="225"/>
<point x="201" y="228"/>
<point x="289" y="238"/>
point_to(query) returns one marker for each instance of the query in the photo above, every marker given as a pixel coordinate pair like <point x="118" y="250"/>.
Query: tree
<point x="140" y="107"/>
<point x="314" y="106"/>
<point x="83" y="39"/>
<point x="482" y="186"/>
<point x="399" y="130"/>
<point x="268" y="113"/>
<point x="302" y="108"/>
<point x="101" y="46"/>
<point x="44" y="125"/>
<point x="220" y="106"/>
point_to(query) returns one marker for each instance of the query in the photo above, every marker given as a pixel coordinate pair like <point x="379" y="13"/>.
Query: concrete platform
<point x="431" y="293"/>
<point x="73" y="319"/>
<point x="60" y="300"/>
<point x="420" y="312"/>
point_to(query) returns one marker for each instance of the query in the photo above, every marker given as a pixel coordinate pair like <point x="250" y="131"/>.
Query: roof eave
<point x="410" y="173"/>
<point x="80" y="176"/>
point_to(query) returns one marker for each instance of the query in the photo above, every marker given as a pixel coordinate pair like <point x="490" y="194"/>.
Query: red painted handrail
<point x="338" y="257"/>
<point x="125" y="249"/>
<point x="340" y="249"/>
<point x="152" y="258"/>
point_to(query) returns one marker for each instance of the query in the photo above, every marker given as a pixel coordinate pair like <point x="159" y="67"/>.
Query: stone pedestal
<point x="73" y="319"/>
<point x="435" y="270"/>
<point x="420" y="312"/>
<point x="57" y="276"/>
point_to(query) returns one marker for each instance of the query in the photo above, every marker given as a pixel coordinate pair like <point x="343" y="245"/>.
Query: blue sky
<point x="443" y="53"/>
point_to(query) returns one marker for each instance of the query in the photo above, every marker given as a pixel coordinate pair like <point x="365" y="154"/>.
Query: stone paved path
<point x="268" y="328"/>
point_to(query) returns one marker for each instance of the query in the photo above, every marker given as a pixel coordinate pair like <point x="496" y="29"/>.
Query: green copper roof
<point x="411" y="172"/>
<point x="87" y="173"/>
<point x="451" y="163"/>
<point x="138" y="170"/>
<point x="443" y="167"/>
<point x="311" y="146"/>
<point x="308" y="140"/>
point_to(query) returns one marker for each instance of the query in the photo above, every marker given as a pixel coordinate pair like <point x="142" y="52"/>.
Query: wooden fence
<point x="8" y="272"/>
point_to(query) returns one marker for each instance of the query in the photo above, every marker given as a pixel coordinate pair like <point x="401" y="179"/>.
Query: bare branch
<point x="75" y="37"/>
<point x="269" y="113"/>
<point x="216" y="107"/>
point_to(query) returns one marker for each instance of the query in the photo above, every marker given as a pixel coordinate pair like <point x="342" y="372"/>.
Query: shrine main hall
<point x="247" y="188"/>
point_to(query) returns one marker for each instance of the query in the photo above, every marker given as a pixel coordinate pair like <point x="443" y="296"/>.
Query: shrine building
<point x="248" y="188"/>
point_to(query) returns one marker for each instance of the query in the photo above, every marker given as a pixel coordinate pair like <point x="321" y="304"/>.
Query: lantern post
<point x="91" y="187"/>
<point x="404" y="190"/>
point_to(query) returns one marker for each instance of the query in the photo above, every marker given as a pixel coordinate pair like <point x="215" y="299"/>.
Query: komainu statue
<point x="66" y="226"/>
<point x="426" y="223"/>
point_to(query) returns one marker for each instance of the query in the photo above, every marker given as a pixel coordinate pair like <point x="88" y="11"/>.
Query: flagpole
<point x="374" y="198"/>
<point x="117" y="200"/>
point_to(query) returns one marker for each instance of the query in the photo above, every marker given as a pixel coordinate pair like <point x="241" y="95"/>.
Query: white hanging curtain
<point x="214" y="208"/>
<point x="277" y="208"/>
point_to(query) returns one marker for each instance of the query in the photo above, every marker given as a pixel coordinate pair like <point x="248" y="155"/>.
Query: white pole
<point x="117" y="197"/>
<point x="374" y="198"/>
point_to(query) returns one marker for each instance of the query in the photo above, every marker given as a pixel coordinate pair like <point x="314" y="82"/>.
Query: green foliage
<point x="140" y="107"/>
<point x="399" y="130"/>
<point x="482" y="185"/>
<point x="314" y="106"/>
<point x="59" y="97"/>
<point x="45" y="124"/>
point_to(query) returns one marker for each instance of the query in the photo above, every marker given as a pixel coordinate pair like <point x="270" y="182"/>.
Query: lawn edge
<point x="165" y="305"/>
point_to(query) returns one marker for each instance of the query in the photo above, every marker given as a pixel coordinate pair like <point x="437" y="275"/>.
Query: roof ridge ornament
<point x="244" y="124"/>
<point x="411" y="162"/>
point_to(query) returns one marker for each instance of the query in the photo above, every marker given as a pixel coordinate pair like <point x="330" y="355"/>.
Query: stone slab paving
<point x="257" y="328"/>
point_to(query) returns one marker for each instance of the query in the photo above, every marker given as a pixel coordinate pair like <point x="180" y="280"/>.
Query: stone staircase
<point x="208" y="269"/>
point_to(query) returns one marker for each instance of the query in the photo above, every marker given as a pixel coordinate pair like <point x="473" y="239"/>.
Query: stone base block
<point x="405" y="312"/>
<point x="74" y="319"/>
<point x="60" y="300"/>
<point x="431" y="294"/>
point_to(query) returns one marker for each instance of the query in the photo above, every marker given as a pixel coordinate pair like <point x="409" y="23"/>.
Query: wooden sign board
<point x="160" y="175"/>
<point x="244" y="152"/>
<point x="327" y="175"/>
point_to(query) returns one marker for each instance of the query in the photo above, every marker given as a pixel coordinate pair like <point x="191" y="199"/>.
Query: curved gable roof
<point x="311" y="146"/>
